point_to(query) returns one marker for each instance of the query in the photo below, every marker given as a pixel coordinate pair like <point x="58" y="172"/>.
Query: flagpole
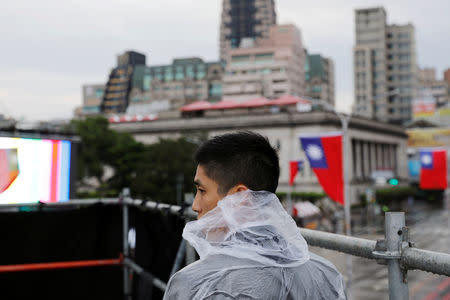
<point x="346" y="170"/>
<point x="345" y="162"/>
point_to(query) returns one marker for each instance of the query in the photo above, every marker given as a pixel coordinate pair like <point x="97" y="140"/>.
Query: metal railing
<point x="396" y="250"/>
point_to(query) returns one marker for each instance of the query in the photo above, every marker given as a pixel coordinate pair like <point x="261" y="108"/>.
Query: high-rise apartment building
<point x="118" y="87"/>
<point x="385" y="69"/>
<point x="243" y="19"/>
<point x="268" y="67"/>
<point x="319" y="78"/>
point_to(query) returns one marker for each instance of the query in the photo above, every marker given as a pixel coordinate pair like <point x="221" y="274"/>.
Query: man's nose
<point x="195" y="204"/>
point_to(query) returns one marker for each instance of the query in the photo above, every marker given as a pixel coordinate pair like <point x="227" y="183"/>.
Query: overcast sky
<point x="50" y="48"/>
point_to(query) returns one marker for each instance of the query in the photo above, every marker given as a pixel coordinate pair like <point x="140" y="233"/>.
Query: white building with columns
<point x="375" y="146"/>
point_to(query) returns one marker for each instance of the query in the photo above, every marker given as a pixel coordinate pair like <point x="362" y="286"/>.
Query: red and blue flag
<point x="433" y="169"/>
<point x="295" y="166"/>
<point x="325" y="158"/>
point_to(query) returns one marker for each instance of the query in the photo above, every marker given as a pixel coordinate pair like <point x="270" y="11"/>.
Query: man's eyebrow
<point x="197" y="182"/>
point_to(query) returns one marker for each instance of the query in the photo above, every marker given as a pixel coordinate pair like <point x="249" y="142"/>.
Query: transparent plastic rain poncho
<point x="250" y="248"/>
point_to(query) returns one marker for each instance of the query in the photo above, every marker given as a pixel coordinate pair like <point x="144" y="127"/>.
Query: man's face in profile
<point x="207" y="195"/>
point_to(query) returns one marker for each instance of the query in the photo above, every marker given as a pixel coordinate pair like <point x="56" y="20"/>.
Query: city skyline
<point x="47" y="57"/>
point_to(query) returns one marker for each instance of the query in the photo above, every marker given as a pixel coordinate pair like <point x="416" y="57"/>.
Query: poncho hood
<point x="251" y="225"/>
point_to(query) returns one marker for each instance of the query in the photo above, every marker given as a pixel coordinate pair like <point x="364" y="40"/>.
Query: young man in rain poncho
<point x="249" y="247"/>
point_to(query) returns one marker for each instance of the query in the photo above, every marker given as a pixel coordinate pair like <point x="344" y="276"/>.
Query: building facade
<point x="447" y="80"/>
<point x="432" y="100"/>
<point x="429" y="85"/>
<point x="385" y="67"/>
<point x="244" y="19"/>
<point x="319" y="78"/>
<point x="447" y="76"/>
<point x="118" y="87"/>
<point x="267" y="67"/>
<point x="184" y="81"/>
<point x="92" y="98"/>
<point x="375" y="146"/>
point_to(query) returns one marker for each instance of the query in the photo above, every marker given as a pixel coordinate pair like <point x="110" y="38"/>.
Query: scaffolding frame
<point x="396" y="250"/>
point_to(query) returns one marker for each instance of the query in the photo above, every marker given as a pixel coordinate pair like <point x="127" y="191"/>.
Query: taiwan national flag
<point x="433" y="169"/>
<point x="325" y="158"/>
<point x="295" y="166"/>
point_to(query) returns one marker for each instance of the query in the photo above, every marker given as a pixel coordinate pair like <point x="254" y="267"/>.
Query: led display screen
<point x="34" y="170"/>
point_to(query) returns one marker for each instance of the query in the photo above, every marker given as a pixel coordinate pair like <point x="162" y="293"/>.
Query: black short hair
<point x="243" y="157"/>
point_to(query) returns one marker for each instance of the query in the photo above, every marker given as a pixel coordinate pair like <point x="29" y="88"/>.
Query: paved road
<point x="429" y="229"/>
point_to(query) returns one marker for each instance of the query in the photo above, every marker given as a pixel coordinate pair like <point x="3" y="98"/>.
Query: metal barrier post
<point x="394" y="226"/>
<point x="126" y="274"/>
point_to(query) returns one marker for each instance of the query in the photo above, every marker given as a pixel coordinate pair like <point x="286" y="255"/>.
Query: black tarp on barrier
<point x="93" y="232"/>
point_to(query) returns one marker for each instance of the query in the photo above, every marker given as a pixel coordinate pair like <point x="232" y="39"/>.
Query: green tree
<point x="150" y="171"/>
<point x="155" y="176"/>
<point x="94" y="148"/>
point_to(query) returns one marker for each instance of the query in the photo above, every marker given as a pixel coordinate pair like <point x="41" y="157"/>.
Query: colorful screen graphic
<point x="34" y="170"/>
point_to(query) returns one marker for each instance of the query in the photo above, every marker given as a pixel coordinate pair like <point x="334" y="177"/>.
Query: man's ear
<point x="237" y="188"/>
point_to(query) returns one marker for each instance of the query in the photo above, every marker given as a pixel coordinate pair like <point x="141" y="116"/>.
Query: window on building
<point x="240" y="59"/>
<point x="277" y="81"/>
<point x="99" y="93"/>
<point x="159" y="75"/>
<point x="179" y="73"/>
<point x="215" y="90"/>
<point x="405" y="77"/>
<point x="404" y="67"/>
<point x="190" y="71"/>
<point x="147" y="81"/>
<point x="201" y="71"/>
<point x="404" y="89"/>
<point x="168" y="75"/>
<point x="264" y="58"/>
<point x="316" y="89"/>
